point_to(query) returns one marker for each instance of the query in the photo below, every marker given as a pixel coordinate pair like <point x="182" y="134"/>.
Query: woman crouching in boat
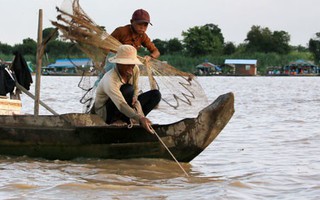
<point x="117" y="95"/>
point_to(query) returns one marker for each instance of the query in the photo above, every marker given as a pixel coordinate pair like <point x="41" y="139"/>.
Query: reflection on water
<point x="269" y="150"/>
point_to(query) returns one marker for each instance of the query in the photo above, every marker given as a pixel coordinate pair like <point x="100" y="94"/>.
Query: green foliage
<point x="263" y="40"/>
<point x="299" y="48"/>
<point x="28" y="47"/>
<point x="229" y="48"/>
<point x="181" y="62"/>
<point x="174" y="46"/>
<point x="57" y="48"/>
<point x="161" y="45"/>
<point x="280" y="42"/>
<point x="30" y="58"/>
<point x="314" y="47"/>
<point x="5" y="48"/>
<point x="143" y="51"/>
<point x="6" y="57"/>
<point x="169" y="47"/>
<point x="202" y="40"/>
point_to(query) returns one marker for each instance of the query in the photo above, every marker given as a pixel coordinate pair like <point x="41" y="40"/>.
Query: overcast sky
<point x="300" y="18"/>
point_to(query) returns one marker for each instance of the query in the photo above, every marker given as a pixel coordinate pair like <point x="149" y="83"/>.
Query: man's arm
<point x="155" y="54"/>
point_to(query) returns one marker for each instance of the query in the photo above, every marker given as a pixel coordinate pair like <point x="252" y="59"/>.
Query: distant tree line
<point x="198" y="43"/>
<point x="314" y="47"/>
<point x="56" y="48"/>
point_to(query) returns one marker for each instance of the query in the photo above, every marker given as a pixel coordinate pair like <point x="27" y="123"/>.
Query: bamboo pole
<point x="39" y="65"/>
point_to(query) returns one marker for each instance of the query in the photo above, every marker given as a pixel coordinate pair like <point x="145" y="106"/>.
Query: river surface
<point x="269" y="150"/>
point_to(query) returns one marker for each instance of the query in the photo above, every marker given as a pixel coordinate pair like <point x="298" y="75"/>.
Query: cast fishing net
<point x="182" y="95"/>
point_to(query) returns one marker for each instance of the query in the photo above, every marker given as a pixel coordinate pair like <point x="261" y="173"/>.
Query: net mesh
<point x="181" y="92"/>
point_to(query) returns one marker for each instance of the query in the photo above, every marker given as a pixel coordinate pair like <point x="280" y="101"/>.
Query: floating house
<point x="274" y="71"/>
<point x="297" y="68"/>
<point x="206" y="69"/>
<point x="301" y="67"/>
<point x="244" y="67"/>
<point x="67" y="66"/>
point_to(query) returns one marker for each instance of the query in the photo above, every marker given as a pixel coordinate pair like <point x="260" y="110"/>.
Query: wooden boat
<point x="9" y="106"/>
<point x="70" y="136"/>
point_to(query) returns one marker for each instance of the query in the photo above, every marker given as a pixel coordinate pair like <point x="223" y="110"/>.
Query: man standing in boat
<point x="117" y="95"/>
<point x="135" y="34"/>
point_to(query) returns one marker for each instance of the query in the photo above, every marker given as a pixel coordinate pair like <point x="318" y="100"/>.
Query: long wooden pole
<point x="39" y="65"/>
<point x="20" y="87"/>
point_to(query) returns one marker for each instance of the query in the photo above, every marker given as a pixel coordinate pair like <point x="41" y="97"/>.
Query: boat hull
<point x="10" y="106"/>
<point x="72" y="136"/>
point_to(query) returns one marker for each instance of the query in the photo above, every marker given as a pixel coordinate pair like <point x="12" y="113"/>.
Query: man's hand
<point x="146" y="124"/>
<point x="134" y="100"/>
<point x="147" y="58"/>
